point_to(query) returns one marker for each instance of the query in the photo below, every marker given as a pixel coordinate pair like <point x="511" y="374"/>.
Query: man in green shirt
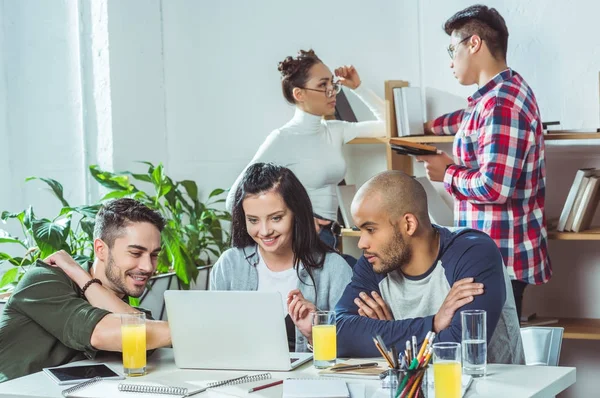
<point x="60" y="310"/>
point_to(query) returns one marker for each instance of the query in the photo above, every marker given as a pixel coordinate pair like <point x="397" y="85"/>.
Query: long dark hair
<point x="308" y="248"/>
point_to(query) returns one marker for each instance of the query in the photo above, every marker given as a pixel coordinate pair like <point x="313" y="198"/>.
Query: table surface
<point x="501" y="380"/>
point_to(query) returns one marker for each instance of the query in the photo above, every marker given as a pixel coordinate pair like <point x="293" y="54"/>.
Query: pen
<point x="408" y="352"/>
<point x="414" y="346"/>
<point x="352" y="367"/>
<point x="275" y="383"/>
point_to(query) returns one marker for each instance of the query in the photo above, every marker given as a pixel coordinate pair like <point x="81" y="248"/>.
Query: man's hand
<point x="348" y="76"/>
<point x="462" y="292"/>
<point x="428" y="127"/>
<point x="373" y="307"/>
<point x="61" y="259"/>
<point x="299" y="309"/>
<point x="435" y="165"/>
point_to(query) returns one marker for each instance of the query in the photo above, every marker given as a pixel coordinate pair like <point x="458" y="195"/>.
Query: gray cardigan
<point x="236" y="270"/>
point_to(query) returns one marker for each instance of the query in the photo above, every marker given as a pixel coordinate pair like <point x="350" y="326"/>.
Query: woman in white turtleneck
<point x="308" y="144"/>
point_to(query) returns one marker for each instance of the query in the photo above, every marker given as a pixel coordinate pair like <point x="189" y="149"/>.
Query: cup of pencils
<point x="407" y="376"/>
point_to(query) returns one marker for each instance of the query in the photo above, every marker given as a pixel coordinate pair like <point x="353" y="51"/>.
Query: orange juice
<point x="134" y="346"/>
<point x="447" y="379"/>
<point x="324" y="342"/>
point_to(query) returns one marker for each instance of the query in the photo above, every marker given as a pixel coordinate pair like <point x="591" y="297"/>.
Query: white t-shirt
<point x="311" y="147"/>
<point x="282" y="282"/>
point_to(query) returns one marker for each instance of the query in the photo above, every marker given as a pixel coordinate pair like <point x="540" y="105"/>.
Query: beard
<point x="395" y="255"/>
<point x="113" y="274"/>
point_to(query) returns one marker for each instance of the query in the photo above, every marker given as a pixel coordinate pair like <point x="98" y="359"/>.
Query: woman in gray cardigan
<point x="276" y="248"/>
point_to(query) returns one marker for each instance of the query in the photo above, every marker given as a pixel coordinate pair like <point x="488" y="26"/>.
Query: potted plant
<point x="192" y="237"/>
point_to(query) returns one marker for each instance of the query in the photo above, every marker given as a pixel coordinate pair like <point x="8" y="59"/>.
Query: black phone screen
<point x="82" y="372"/>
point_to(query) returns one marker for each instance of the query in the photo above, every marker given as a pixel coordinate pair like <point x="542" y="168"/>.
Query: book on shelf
<point x="589" y="203"/>
<point x="408" y="106"/>
<point x="574" y="196"/>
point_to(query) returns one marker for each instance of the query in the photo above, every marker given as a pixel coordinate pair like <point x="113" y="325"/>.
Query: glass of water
<point x="474" y="342"/>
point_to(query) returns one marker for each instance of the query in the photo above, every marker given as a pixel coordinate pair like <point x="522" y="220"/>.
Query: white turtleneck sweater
<point x="311" y="147"/>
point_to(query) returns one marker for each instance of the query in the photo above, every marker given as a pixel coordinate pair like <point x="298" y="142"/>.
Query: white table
<point x="513" y="381"/>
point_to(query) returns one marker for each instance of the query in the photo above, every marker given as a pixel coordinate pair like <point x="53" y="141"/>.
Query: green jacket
<point x="46" y="322"/>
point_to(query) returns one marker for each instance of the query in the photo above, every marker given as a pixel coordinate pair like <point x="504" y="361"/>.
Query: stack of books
<point x="582" y="201"/>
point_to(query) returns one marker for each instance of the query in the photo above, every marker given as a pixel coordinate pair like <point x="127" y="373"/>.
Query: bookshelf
<point x="433" y="139"/>
<point x="574" y="328"/>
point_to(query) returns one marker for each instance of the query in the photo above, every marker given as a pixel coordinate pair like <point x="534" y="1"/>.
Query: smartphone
<point x="81" y="373"/>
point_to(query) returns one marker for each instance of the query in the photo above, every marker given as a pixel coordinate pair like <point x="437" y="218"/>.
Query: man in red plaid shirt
<point x="497" y="176"/>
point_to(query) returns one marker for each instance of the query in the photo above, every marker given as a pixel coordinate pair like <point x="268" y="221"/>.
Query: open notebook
<point x="169" y="387"/>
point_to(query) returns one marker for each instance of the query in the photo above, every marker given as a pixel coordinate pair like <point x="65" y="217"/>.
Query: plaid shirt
<point x="499" y="179"/>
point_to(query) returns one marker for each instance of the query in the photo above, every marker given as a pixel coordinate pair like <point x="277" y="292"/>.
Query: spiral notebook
<point x="97" y="387"/>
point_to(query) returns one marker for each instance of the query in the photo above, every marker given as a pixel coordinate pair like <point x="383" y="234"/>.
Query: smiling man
<point x="414" y="277"/>
<point x="60" y="310"/>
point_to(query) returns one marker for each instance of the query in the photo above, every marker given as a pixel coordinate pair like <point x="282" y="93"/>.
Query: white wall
<point x="41" y="115"/>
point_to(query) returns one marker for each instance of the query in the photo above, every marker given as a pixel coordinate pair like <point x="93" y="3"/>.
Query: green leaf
<point x="56" y="187"/>
<point x="5" y="237"/>
<point x="116" y="195"/>
<point x="81" y="259"/>
<point x="9" y="276"/>
<point x="87" y="225"/>
<point x="111" y="180"/>
<point x="141" y="177"/>
<point x="178" y="256"/>
<point x="7" y="215"/>
<point x="29" y="217"/>
<point x="88" y="211"/>
<point x="16" y="261"/>
<point x="216" y="192"/>
<point x="65" y="211"/>
<point x="191" y="188"/>
<point x="50" y="236"/>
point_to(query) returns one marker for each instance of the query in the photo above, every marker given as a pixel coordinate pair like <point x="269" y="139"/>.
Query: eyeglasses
<point x="451" y="49"/>
<point x="329" y="91"/>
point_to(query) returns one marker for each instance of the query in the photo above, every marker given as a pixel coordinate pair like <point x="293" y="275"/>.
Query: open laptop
<point x="229" y="330"/>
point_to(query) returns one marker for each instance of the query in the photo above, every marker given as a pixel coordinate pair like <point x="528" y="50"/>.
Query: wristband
<point x="88" y="284"/>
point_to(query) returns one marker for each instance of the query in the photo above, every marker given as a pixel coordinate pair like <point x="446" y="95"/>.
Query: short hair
<point x="260" y="178"/>
<point x="295" y="72"/>
<point x="484" y="22"/>
<point x="117" y="214"/>
<point x="399" y="193"/>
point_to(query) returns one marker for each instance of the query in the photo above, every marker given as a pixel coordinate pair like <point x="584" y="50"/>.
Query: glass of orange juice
<point x="324" y="339"/>
<point x="133" y="334"/>
<point x="447" y="370"/>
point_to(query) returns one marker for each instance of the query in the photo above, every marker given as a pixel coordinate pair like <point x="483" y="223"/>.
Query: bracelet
<point x="88" y="284"/>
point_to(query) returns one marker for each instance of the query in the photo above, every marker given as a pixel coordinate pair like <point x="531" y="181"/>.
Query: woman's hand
<point x="348" y="76"/>
<point x="299" y="309"/>
<point x="61" y="259"/>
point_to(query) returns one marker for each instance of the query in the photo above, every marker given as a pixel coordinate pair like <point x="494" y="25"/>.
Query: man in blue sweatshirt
<point x="415" y="277"/>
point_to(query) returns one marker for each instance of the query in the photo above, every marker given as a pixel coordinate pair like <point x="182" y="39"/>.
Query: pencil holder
<point x="411" y="384"/>
<point x="389" y="380"/>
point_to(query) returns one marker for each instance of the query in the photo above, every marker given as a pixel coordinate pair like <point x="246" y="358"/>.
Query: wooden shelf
<point x="350" y="232"/>
<point x="432" y="139"/>
<point x="576" y="328"/>
<point x="590" y="234"/>
<point x="374" y="140"/>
